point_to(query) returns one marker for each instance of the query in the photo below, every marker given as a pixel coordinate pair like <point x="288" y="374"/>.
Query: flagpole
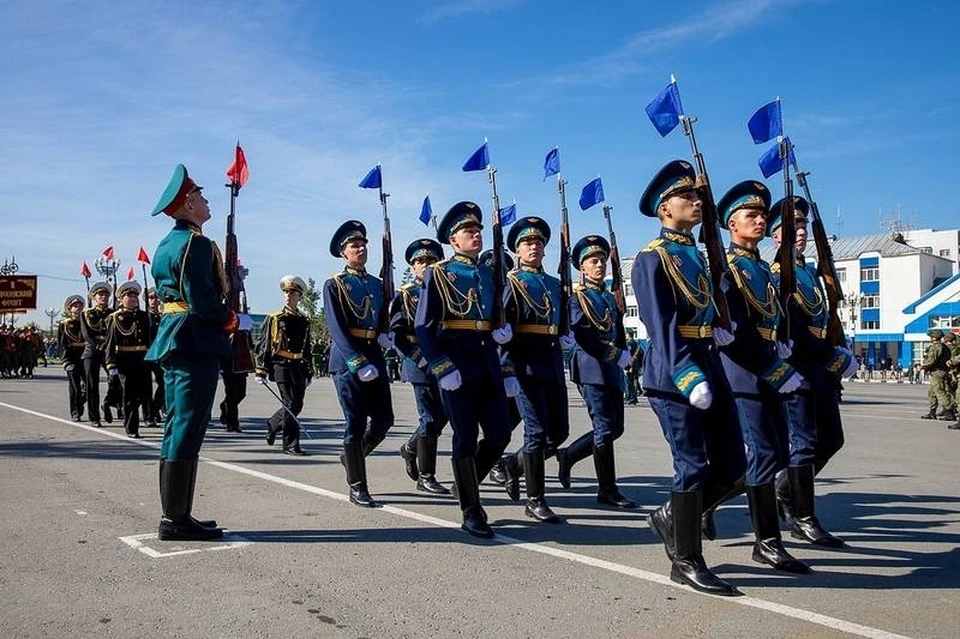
<point x="499" y="274"/>
<point x="566" y="282"/>
<point x="386" y="270"/>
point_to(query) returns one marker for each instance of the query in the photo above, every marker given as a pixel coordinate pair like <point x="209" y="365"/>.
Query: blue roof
<point x="912" y="308"/>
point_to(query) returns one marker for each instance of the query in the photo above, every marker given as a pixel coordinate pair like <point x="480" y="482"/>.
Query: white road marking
<point x="136" y="541"/>
<point x="82" y="513"/>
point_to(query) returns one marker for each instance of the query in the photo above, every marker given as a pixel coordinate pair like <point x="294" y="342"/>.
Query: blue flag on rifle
<point x="770" y="162"/>
<point x="373" y="179"/>
<point x="426" y="211"/>
<point x="508" y="215"/>
<point x="479" y="161"/>
<point x="766" y="123"/>
<point x="591" y="194"/>
<point x="665" y="110"/>
<point x="551" y="164"/>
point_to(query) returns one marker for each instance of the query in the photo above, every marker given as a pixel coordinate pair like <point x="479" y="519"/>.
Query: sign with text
<point x="18" y="293"/>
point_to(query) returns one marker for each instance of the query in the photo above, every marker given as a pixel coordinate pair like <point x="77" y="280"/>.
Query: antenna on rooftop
<point x="839" y="224"/>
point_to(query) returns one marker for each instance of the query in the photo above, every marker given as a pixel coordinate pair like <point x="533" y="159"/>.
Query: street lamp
<point x="108" y="269"/>
<point x="51" y="313"/>
<point x="853" y="301"/>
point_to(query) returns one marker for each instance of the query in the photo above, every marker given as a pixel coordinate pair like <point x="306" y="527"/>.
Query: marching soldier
<point x="352" y="301"/>
<point x="813" y="413"/>
<point x="683" y="377"/>
<point x="157" y="400"/>
<point x="935" y="360"/>
<point x="954" y="368"/>
<point x="459" y="342"/>
<point x="755" y="366"/>
<point x="597" y="368"/>
<point x="535" y="355"/>
<point x="71" y="344"/>
<point x="128" y="337"/>
<point x="420" y="451"/>
<point x="283" y="355"/>
<point x="94" y="330"/>
<point x="191" y="341"/>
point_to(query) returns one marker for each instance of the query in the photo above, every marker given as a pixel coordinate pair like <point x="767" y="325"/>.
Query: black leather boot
<point x="803" y="521"/>
<point x="468" y="494"/>
<point x="206" y="523"/>
<point x="580" y="449"/>
<point x="370" y="443"/>
<point x="930" y="415"/>
<point x="947" y="416"/>
<point x="689" y="566"/>
<point x="536" y="506"/>
<point x="660" y="522"/>
<point x="713" y="496"/>
<point x="513" y="471"/>
<point x="354" y="462"/>
<point x="608" y="493"/>
<point x="496" y="475"/>
<point x="427" y="463"/>
<point x="768" y="549"/>
<point x="408" y="451"/>
<point x="107" y="413"/>
<point x="177" y="482"/>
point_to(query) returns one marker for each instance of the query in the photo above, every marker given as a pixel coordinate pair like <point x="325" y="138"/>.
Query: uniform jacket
<point x="128" y="337"/>
<point x="70" y="341"/>
<point x="531" y="301"/>
<point x="191" y="284"/>
<point x="597" y="326"/>
<point x="93" y="328"/>
<point x="352" y="301"/>
<point x="403" y="313"/>
<point x="284" y="351"/>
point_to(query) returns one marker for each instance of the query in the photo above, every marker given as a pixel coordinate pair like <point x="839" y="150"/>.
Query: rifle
<point x="386" y="268"/>
<point x="240" y="341"/>
<point x="826" y="268"/>
<point x="617" y="285"/>
<point x="709" y="227"/>
<point x="787" y="253"/>
<point x="566" y="283"/>
<point x="499" y="316"/>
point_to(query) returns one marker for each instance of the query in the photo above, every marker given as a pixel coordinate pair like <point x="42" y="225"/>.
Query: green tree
<point x="310" y="305"/>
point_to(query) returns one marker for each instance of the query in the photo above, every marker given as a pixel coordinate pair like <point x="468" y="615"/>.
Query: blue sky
<point x="100" y="100"/>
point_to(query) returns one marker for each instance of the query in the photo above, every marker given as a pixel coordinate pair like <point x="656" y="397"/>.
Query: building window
<point x="945" y="321"/>
<point x="627" y="289"/>
<point x="869" y="325"/>
<point x="869" y="274"/>
<point x="870" y="301"/>
<point x="926" y="249"/>
<point x="945" y="253"/>
<point x="842" y="275"/>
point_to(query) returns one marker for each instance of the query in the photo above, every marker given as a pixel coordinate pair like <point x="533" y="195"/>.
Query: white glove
<point x="567" y="341"/>
<point x="245" y="323"/>
<point x="423" y="363"/>
<point x="385" y="340"/>
<point x="503" y="335"/>
<point x="451" y="381"/>
<point x="723" y="337"/>
<point x="511" y="386"/>
<point x="69" y="368"/>
<point x="785" y="349"/>
<point x="851" y="368"/>
<point x="700" y="396"/>
<point x="625" y="358"/>
<point x="113" y="372"/>
<point x="791" y="384"/>
<point x="368" y="373"/>
<point x="261" y="379"/>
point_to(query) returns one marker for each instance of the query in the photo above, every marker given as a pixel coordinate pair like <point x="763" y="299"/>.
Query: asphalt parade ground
<point x="79" y="557"/>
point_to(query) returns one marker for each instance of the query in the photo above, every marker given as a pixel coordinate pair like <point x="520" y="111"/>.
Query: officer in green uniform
<point x="953" y="365"/>
<point x="128" y="336"/>
<point x="935" y="360"/>
<point x="191" y="340"/>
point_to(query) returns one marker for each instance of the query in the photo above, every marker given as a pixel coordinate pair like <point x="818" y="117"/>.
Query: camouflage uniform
<point x="935" y="360"/>
<point x="953" y="366"/>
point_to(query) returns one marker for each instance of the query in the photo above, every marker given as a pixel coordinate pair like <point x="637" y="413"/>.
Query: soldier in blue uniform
<point x="756" y="367"/>
<point x="459" y="342"/>
<point x="352" y="301"/>
<point x="128" y="336"/>
<point x="813" y="414"/>
<point x="419" y="453"/>
<point x="597" y="368"/>
<point x="535" y="356"/>
<point x="284" y="355"/>
<point x="70" y="341"/>
<point x="190" y="342"/>
<point x="683" y="377"/>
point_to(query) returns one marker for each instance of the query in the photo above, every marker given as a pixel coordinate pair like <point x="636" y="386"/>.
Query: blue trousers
<point x="826" y="417"/>
<point x="797" y="415"/>
<point x="546" y="421"/>
<point x="706" y="445"/>
<point x="361" y="401"/>
<point x="190" y="385"/>
<point x="474" y="407"/>
<point x="765" y="436"/>
<point x="605" y="407"/>
<point x="430" y="409"/>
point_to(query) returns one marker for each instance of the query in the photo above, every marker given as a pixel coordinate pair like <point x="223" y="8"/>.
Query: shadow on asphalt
<point x="106" y="450"/>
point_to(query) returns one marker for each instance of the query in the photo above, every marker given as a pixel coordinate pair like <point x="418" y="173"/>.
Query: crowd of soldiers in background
<point x="21" y="350"/>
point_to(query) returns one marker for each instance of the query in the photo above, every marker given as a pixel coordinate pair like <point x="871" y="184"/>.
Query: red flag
<point x="143" y="257"/>
<point x="85" y="270"/>
<point x="130" y="274"/>
<point x="108" y="253"/>
<point x="238" y="171"/>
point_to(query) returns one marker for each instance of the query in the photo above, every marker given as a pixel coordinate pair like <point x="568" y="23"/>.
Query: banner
<point x="18" y="293"/>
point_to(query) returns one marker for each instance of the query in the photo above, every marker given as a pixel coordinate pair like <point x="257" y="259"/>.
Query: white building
<point x="894" y="291"/>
